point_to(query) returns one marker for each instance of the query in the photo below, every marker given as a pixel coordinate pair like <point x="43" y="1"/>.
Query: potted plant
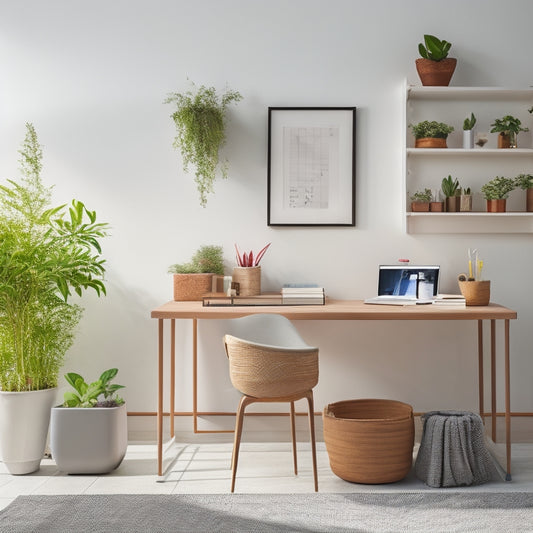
<point x="465" y="199"/>
<point x="450" y="188"/>
<point x="431" y="134"/>
<point x="420" y="200"/>
<point x="508" y="128"/>
<point x="45" y="253"/>
<point x="194" y="279"/>
<point x="200" y="120"/>
<point x="89" y="431"/>
<point x="525" y="182"/>
<point x="468" y="132"/>
<point x="496" y="191"/>
<point x="247" y="273"/>
<point x="434" y="66"/>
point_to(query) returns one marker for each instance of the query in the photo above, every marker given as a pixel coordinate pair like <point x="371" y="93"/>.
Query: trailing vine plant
<point x="200" y="120"/>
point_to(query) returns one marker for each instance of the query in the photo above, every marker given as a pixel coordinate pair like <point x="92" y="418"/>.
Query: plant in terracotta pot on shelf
<point x="89" y="431"/>
<point x="200" y="120"/>
<point x="46" y="253"/>
<point x="450" y="189"/>
<point x="508" y="128"/>
<point x="496" y="192"/>
<point x="431" y="134"/>
<point x="194" y="279"/>
<point x="525" y="182"/>
<point x="247" y="273"/>
<point x="434" y="66"/>
<point x="420" y="200"/>
<point x="468" y="132"/>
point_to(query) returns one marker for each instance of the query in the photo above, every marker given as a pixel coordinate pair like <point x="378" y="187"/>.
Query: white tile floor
<point x="205" y="468"/>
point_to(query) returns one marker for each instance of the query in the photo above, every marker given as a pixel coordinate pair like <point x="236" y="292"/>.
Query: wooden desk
<point x="335" y="310"/>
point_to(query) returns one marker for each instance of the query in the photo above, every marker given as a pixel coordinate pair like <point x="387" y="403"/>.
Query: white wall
<point x="92" y="76"/>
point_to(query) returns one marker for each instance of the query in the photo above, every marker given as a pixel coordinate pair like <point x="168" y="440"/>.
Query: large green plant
<point x="200" y="119"/>
<point x="87" y="394"/>
<point x="45" y="254"/>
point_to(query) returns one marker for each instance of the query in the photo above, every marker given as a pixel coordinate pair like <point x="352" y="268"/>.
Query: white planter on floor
<point x="91" y="440"/>
<point x="24" y="420"/>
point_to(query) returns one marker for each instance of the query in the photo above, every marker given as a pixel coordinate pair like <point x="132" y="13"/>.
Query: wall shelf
<point x="426" y="167"/>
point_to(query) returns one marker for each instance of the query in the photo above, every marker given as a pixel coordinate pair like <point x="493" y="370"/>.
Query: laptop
<point x="406" y="284"/>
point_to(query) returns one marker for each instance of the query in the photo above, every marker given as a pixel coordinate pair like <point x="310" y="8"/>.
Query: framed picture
<point x="311" y="166"/>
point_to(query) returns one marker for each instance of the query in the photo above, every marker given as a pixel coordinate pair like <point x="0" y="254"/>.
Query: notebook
<point x="406" y="285"/>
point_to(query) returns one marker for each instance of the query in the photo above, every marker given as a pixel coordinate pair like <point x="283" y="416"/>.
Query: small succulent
<point x="469" y="123"/>
<point x="248" y="259"/>
<point x="422" y="196"/>
<point x="449" y="186"/>
<point x="433" y="48"/>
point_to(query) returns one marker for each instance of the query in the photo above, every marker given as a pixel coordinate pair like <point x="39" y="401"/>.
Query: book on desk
<point x="287" y="296"/>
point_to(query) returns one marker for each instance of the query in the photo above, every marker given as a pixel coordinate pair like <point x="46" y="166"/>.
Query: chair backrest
<point x="269" y="359"/>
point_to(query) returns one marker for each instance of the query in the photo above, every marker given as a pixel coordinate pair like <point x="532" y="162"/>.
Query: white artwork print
<point x="310" y="166"/>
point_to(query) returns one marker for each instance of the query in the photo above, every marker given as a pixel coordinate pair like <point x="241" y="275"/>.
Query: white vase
<point x="468" y="139"/>
<point x="24" y="420"/>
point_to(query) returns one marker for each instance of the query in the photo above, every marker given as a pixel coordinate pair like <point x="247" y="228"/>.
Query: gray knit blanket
<point x="453" y="452"/>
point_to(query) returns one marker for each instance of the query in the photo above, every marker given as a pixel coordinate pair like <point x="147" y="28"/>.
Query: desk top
<point x="338" y="310"/>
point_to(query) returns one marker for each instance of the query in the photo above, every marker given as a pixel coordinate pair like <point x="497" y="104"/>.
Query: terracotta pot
<point x="436" y="72"/>
<point x="529" y="200"/>
<point x="436" y="207"/>
<point x="496" y="206"/>
<point x="452" y="204"/>
<point x="417" y="207"/>
<point x="430" y="142"/>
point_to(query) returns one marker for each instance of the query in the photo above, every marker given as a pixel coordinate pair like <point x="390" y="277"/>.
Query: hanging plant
<point x="200" y="120"/>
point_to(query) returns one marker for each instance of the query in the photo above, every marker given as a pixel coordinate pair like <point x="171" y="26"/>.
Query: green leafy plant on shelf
<point x="450" y="187"/>
<point x="434" y="48"/>
<point x="207" y="259"/>
<point x="87" y="395"/>
<point x="422" y="196"/>
<point x="46" y="253"/>
<point x="524" y="181"/>
<point x="507" y="124"/>
<point x="498" y="188"/>
<point x="437" y="130"/>
<point x="469" y="123"/>
<point x="200" y="120"/>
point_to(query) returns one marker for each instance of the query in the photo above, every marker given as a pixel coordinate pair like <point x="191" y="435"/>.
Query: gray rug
<point x="439" y="511"/>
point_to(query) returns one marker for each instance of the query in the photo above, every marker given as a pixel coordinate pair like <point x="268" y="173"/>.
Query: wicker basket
<point x="369" y="440"/>
<point x="191" y="287"/>
<point x="475" y="292"/>
<point x="249" y="280"/>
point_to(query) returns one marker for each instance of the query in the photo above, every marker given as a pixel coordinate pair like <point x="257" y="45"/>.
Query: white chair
<point x="270" y="362"/>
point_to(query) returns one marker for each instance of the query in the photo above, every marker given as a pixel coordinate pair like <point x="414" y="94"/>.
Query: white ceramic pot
<point x="24" y="420"/>
<point x="468" y="139"/>
<point x="88" y="440"/>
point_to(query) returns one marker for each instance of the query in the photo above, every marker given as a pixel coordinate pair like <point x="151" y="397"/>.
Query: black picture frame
<point x="311" y="166"/>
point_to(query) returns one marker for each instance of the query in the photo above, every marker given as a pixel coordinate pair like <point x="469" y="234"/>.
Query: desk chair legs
<point x="247" y="400"/>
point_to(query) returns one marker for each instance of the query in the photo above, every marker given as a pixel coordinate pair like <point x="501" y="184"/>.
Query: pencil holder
<point x="475" y="292"/>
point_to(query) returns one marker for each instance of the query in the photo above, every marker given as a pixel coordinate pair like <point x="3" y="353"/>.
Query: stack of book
<point x="450" y="300"/>
<point x="302" y="294"/>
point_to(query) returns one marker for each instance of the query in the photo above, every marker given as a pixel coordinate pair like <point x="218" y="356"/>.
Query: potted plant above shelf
<point x="46" y="253"/>
<point x="468" y="132"/>
<point x="450" y="189"/>
<point x="194" y="279"/>
<point x="434" y="66"/>
<point x="200" y="120"/>
<point x="89" y="431"/>
<point x="420" y="200"/>
<point x="431" y="134"/>
<point x="525" y="182"/>
<point x="496" y="192"/>
<point x="508" y="128"/>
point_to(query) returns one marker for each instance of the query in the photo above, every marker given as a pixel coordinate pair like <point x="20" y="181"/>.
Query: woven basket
<point x="191" y="287"/>
<point x="475" y="292"/>
<point x="249" y="280"/>
<point x="369" y="440"/>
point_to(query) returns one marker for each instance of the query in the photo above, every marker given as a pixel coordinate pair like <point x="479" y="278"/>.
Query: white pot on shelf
<point x="468" y="139"/>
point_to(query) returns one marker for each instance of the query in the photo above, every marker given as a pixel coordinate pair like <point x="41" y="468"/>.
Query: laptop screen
<point x="415" y="281"/>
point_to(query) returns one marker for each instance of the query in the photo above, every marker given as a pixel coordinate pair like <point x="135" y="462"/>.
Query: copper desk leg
<point x="493" y="376"/>
<point x="160" y="402"/>
<point x="480" y="368"/>
<point x="195" y="374"/>
<point x="172" y="374"/>
<point x="507" y="400"/>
